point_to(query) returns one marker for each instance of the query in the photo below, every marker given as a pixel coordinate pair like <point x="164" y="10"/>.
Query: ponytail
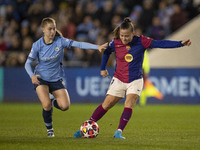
<point x="116" y="32"/>
<point x="58" y="33"/>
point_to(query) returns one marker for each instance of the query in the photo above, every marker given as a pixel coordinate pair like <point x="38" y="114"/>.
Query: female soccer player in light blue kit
<point x="47" y="75"/>
<point x="128" y="78"/>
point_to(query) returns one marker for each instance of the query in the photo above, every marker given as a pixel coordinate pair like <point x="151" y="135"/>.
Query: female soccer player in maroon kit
<point x="128" y="78"/>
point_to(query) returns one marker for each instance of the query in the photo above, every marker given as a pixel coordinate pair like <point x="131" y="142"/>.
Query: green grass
<point x="152" y="127"/>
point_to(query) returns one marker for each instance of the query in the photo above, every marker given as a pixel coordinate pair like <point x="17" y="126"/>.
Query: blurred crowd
<point x="85" y="20"/>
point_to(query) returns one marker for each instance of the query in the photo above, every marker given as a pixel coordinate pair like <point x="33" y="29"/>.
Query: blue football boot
<point x="77" y="134"/>
<point x="118" y="134"/>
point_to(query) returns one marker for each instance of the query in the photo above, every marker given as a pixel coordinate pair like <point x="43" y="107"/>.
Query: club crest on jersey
<point x="57" y="48"/>
<point x="128" y="47"/>
<point x="128" y="57"/>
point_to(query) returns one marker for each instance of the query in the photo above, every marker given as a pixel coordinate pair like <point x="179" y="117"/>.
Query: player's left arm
<point x="85" y="45"/>
<point x="169" y="44"/>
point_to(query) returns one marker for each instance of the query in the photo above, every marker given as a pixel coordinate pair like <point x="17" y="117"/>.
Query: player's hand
<point x="35" y="80"/>
<point x="104" y="73"/>
<point x="102" y="47"/>
<point x="186" y="42"/>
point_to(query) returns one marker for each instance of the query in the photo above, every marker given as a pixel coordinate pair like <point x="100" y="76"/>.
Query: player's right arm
<point x="28" y="65"/>
<point x="106" y="55"/>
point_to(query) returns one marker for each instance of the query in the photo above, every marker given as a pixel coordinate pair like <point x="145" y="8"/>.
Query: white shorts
<point x="119" y="88"/>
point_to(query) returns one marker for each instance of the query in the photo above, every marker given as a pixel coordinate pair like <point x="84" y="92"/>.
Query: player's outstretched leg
<point x="118" y="134"/>
<point x="77" y="134"/>
<point x="98" y="113"/>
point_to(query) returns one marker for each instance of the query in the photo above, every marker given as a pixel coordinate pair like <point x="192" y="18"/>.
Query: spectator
<point x="2" y="58"/>
<point x="3" y="25"/>
<point x="24" y="29"/>
<point x="105" y="14"/>
<point x="35" y="12"/>
<point x="27" y="44"/>
<point x="121" y="10"/>
<point x="178" y="19"/>
<point x="136" y="13"/>
<point x="15" y="44"/>
<point x="116" y="20"/>
<point x="83" y="29"/>
<point x="49" y="8"/>
<point x="156" y="30"/>
<point x="8" y="34"/>
<point x="91" y="9"/>
<point x="34" y="27"/>
<point x="93" y="33"/>
<point x="12" y="60"/>
<point x="11" y="13"/>
<point x="78" y="14"/>
<point x="21" y="8"/>
<point x="3" y="46"/>
<point x="164" y="13"/>
<point x="146" y="17"/>
<point x="22" y="59"/>
<point x="68" y="29"/>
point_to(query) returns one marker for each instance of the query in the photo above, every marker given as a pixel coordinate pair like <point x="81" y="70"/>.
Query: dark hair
<point x="47" y="20"/>
<point x="126" y="24"/>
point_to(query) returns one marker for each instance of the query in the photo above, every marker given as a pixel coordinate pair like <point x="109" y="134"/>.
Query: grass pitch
<point x="152" y="127"/>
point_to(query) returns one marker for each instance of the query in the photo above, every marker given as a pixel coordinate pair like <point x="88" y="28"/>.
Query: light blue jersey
<point x="49" y="57"/>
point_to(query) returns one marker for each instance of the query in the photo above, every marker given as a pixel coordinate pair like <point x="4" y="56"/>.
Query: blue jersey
<point x="49" y="57"/>
<point x="129" y="57"/>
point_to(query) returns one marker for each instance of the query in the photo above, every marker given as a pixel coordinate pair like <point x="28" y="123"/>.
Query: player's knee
<point x="64" y="108"/>
<point x="47" y="107"/>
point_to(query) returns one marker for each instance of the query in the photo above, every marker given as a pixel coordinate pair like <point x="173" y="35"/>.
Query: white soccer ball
<point x="89" y="129"/>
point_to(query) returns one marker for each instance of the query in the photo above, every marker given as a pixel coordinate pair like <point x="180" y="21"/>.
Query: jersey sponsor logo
<point x="57" y="49"/>
<point x="128" y="47"/>
<point x="128" y="57"/>
<point x="49" y="58"/>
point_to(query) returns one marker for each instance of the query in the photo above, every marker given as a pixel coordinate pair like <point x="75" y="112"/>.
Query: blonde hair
<point x="126" y="24"/>
<point x="48" y="20"/>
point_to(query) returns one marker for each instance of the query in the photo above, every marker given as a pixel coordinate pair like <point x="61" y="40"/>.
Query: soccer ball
<point x="89" y="129"/>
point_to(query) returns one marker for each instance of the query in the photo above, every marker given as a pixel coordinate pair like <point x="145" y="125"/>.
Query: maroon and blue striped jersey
<point x="129" y="57"/>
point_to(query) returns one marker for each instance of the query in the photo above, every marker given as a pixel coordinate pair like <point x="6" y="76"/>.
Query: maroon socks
<point x="126" y="115"/>
<point x="98" y="113"/>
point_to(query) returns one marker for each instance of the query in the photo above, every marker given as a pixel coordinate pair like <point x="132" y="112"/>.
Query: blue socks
<point x="47" y="116"/>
